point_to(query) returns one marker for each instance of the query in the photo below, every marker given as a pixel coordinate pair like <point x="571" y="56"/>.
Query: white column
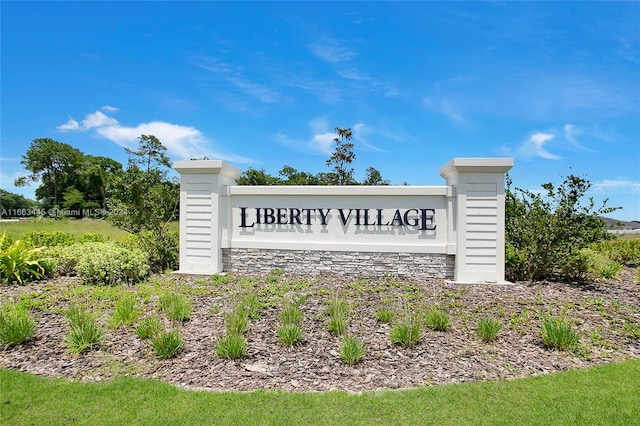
<point x="204" y="214"/>
<point x="478" y="217"/>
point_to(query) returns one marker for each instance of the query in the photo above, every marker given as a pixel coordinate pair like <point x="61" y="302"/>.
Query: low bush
<point x="16" y="325"/>
<point x="488" y="329"/>
<point x="167" y="344"/>
<point x="351" y="350"/>
<point x="103" y="263"/>
<point x="557" y="333"/>
<point x="623" y="251"/>
<point x="91" y="237"/>
<point x="600" y="264"/>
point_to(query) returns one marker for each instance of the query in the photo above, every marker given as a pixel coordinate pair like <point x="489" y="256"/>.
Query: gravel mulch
<point x="606" y="314"/>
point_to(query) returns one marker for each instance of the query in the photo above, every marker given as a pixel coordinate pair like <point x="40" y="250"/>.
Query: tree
<point x="291" y="176"/>
<point x="144" y="202"/>
<point x="55" y="163"/>
<point x="342" y="157"/>
<point x="252" y="176"/>
<point x="94" y="175"/>
<point x="374" y="178"/>
<point x="150" y="153"/>
<point x="12" y="204"/>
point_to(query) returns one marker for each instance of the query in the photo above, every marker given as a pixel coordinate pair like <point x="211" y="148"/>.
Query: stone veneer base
<point x="339" y="263"/>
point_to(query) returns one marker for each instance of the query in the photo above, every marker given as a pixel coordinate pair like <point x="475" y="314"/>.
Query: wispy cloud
<point x="110" y="108"/>
<point x="181" y="141"/>
<point x="571" y="133"/>
<point x="616" y="186"/>
<point x="332" y="50"/>
<point x="534" y="146"/>
<point x="447" y="107"/>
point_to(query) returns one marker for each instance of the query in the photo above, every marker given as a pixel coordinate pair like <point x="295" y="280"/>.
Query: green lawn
<point x="74" y="226"/>
<point x="600" y="395"/>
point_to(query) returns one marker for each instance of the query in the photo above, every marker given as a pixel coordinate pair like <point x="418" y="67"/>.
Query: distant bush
<point x="625" y="252"/>
<point x="545" y="233"/>
<point x="91" y="237"/>
<point x="49" y="238"/>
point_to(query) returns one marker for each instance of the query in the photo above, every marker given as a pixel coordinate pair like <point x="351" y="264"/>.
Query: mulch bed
<point x="599" y="311"/>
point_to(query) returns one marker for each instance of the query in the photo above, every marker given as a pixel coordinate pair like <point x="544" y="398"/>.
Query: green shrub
<point x="602" y="265"/>
<point x="488" y="329"/>
<point x="290" y="334"/>
<point x="16" y="325"/>
<point x="175" y="306"/>
<point x="125" y="312"/>
<point x="109" y="263"/>
<point x="545" y="232"/>
<point x="83" y="332"/>
<point x="557" y="333"/>
<point x="622" y="251"/>
<point x="351" y="350"/>
<point x="232" y="346"/>
<point x="91" y="237"/>
<point x="48" y="238"/>
<point x="438" y="320"/>
<point x="149" y="327"/>
<point x="407" y="332"/>
<point x="19" y="263"/>
<point x="167" y="344"/>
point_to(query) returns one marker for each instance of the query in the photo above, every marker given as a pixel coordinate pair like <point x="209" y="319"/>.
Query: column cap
<point x="207" y="167"/>
<point x="476" y="165"/>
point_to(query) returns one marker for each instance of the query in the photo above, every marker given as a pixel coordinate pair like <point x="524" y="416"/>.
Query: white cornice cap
<point x="476" y="165"/>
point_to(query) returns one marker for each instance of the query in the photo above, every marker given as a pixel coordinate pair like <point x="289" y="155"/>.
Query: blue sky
<point x="554" y="85"/>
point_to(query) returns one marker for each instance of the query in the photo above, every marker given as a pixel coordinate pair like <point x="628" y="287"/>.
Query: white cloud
<point x="534" y="146"/>
<point x="110" y="108"/>
<point x="98" y="119"/>
<point x="70" y="125"/>
<point x="331" y="50"/>
<point x="183" y="142"/>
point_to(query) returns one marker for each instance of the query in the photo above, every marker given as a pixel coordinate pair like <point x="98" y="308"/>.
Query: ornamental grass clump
<point x="231" y="346"/>
<point x="351" y="350"/>
<point x="407" y="332"/>
<point x="384" y="314"/>
<point x="557" y="333"/>
<point x="237" y="322"/>
<point x="338" y="316"/>
<point x="125" y="312"/>
<point x="16" y="325"/>
<point x="290" y="332"/>
<point x="175" y="306"/>
<point x="438" y="320"/>
<point x="488" y="329"/>
<point x="149" y="327"/>
<point x="167" y="344"/>
<point x="83" y="333"/>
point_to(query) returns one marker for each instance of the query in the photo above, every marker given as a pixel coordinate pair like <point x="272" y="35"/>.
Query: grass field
<point x="75" y="227"/>
<point x="601" y="395"/>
